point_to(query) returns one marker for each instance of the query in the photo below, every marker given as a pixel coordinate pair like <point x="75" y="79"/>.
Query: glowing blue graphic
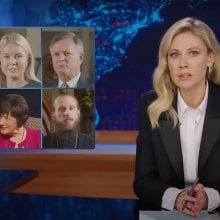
<point x="115" y="23"/>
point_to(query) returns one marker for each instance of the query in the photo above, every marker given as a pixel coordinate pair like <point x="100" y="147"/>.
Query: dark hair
<point x="17" y="106"/>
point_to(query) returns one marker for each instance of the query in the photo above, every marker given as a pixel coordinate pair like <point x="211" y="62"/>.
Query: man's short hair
<point x="65" y="35"/>
<point x="63" y="95"/>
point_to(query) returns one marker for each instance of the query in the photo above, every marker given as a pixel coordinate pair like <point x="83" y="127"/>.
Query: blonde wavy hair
<point x="21" y="41"/>
<point x="163" y="85"/>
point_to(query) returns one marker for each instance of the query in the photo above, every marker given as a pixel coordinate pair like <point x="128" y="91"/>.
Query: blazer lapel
<point x="211" y="132"/>
<point x="211" y="127"/>
<point x="171" y="140"/>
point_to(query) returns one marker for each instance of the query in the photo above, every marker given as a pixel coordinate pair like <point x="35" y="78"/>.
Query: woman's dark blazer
<point x="159" y="162"/>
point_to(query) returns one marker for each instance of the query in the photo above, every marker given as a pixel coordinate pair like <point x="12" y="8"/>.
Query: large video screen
<point x="121" y="40"/>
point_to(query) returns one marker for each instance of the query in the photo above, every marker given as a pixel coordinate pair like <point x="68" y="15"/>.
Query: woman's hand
<point x="186" y="203"/>
<point x="194" y="203"/>
<point x="201" y="198"/>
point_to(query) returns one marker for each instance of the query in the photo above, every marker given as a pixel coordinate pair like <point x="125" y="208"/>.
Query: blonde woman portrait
<point x="16" y="62"/>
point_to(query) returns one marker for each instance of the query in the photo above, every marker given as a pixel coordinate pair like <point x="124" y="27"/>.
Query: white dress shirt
<point x="71" y="83"/>
<point x="191" y="126"/>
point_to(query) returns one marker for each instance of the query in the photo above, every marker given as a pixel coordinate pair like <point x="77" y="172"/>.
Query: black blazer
<point x="159" y="162"/>
<point x="84" y="141"/>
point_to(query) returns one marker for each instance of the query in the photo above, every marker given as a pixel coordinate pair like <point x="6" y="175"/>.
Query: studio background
<point x="127" y="37"/>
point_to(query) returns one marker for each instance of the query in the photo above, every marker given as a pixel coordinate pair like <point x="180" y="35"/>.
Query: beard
<point x="67" y="132"/>
<point x="67" y="125"/>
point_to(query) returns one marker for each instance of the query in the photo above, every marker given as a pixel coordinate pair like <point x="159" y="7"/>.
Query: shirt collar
<point x="71" y="83"/>
<point x="182" y="106"/>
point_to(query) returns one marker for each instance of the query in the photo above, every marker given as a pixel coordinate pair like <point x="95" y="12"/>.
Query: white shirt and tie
<point x="70" y="84"/>
<point x="191" y="126"/>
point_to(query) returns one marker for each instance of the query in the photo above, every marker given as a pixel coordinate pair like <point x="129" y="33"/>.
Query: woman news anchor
<point x="179" y="124"/>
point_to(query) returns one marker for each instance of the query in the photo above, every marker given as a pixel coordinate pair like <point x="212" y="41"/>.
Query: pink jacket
<point x="32" y="140"/>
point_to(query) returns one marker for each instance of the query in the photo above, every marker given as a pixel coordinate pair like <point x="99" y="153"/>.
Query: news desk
<point x="170" y="215"/>
<point x="74" y="184"/>
<point x="82" y="184"/>
<point x="104" y="172"/>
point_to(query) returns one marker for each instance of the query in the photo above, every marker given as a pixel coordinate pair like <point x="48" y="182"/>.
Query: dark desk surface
<point x="12" y="179"/>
